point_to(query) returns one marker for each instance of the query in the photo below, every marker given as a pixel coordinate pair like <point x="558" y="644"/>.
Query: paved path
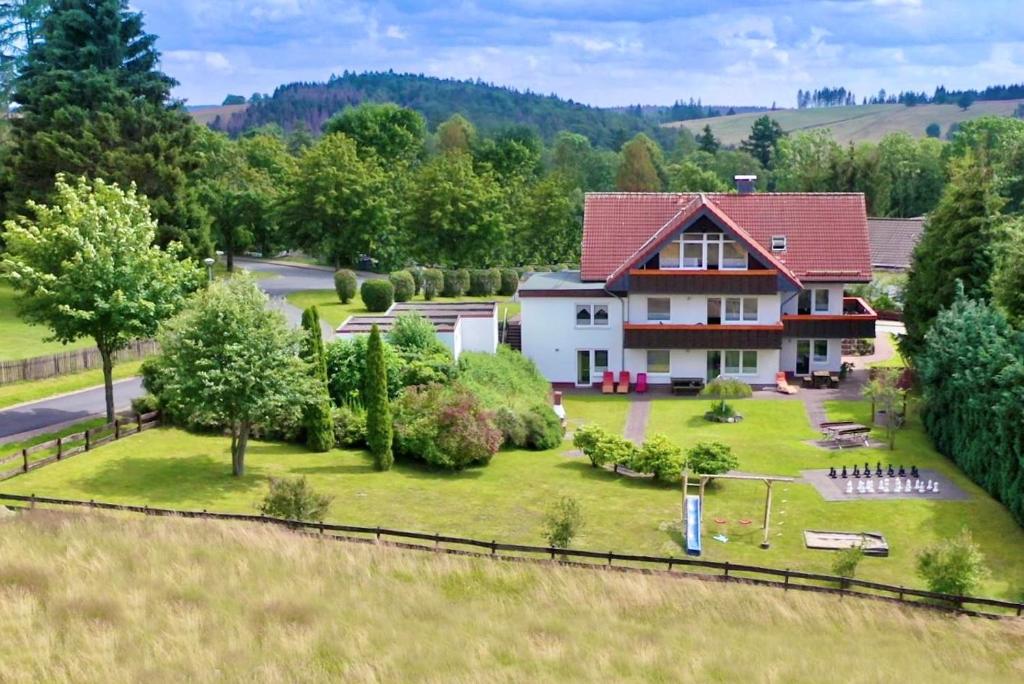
<point x="47" y="415"/>
<point x="636" y="420"/>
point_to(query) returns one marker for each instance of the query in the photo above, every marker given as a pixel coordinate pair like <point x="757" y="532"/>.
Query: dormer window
<point x="703" y="251"/>
<point x="778" y="243"/>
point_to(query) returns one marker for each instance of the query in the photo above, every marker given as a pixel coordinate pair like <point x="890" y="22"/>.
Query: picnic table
<point x="843" y="432"/>
<point x="684" y="385"/>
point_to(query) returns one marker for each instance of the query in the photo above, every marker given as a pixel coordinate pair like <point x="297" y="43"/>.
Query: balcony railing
<point x="856" y="321"/>
<point x="684" y="281"/>
<point x="700" y="336"/>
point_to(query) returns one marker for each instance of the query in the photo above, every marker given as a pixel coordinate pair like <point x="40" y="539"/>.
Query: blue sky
<point x="602" y="53"/>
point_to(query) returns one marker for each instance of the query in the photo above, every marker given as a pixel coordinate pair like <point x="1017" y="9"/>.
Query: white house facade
<point x="699" y="286"/>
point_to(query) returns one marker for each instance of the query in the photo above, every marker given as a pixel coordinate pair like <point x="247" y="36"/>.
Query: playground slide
<point x="693" y="525"/>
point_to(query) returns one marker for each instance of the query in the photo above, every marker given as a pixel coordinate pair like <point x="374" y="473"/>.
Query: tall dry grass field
<point x="90" y="598"/>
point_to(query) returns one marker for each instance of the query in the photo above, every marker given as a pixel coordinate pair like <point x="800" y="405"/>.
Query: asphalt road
<point x="48" y="415"/>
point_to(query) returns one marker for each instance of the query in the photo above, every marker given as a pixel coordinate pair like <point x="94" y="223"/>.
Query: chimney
<point x="745" y="184"/>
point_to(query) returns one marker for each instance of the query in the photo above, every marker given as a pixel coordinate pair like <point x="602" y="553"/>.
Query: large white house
<point x="696" y="286"/>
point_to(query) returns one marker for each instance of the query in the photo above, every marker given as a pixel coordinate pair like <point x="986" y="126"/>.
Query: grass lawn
<point x="20" y="340"/>
<point x="32" y="390"/>
<point x="335" y="313"/>
<point x="507" y="499"/>
<point x="114" y="598"/>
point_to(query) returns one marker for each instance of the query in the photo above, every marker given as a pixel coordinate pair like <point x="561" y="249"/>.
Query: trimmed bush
<point x="509" y="282"/>
<point x="349" y="426"/>
<point x="417" y="279"/>
<point x="726" y="388"/>
<point x="345" y="285"/>
<point x="660" y="456"/>
<point x="404" y="285"/>
<point x="378" y="295"/>
<point x="433" y="283"/>
<point x="586" y="440"/>
<point x="602" y="447"/>
<point x="711" y="458"/>
<point x="513" y="429"/>
<point x="482" y="282"/>
<point x="543" y="428"/>
<point x="294" y="499"/>
<point x="453" y="285"/>
<point x="446" y="426"/>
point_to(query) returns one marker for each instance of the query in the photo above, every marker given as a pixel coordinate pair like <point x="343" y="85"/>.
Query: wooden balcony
<point x="682" y="281"/>
<point x="856" y="321"/>
<point x="699" y="336"/>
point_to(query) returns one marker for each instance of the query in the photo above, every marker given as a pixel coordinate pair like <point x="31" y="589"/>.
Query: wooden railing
<point x="679" y="567"/>
<point x="65" y="363"/>
<point x="43" y="454"/>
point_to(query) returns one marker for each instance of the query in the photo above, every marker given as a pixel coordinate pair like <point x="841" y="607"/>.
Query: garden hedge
<point x="509" y="282"/>
<point x="433" y="283"/>
<point x="404" y="285"/>
<point x="345" y="285"/>
<point x="378" y="295"/>
<point x="484" y="282"/>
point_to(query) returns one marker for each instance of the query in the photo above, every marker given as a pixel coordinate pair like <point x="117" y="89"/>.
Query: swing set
<point x="693" y="506"/>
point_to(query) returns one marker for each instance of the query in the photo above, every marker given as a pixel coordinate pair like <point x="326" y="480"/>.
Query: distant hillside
<point x="208" y="114"/>
<point x="856" y="124"/>
<point x="489" y="107"/>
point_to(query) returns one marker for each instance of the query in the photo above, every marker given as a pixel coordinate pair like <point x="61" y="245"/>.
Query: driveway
<point x="47" y="415"/>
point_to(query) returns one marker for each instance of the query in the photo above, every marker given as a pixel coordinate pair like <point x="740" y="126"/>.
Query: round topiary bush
<point x="378" y="295"/>
<point x="456" y="282"/>
<point x="509" y="282"/>
<point x="345" y="285"/>
<point x="433" y="283"/>
<point x="483" y="283"/>
<point x="404" y="284"/>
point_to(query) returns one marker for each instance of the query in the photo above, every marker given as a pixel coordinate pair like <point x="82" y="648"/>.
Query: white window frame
<point x="741" y="367"/>
<point x="592" y="308"/>
<point x="743" y="310"/>
<point x="814" y="300"/>
<point x="704" y="240"/>
<point x="779" y="243"/>
<point x="661" y="317"/>
<point x="814" y="352"/>
<point x="647" y="362"/>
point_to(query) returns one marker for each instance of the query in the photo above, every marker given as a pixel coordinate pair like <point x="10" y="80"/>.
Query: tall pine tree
<point x="93" y="103"/>
<point x="379" y="430"/>
<point x="960" y="242"/>
<point x="317" y="418"/>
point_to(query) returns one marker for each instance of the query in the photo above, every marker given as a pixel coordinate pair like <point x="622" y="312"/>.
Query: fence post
<point x="24" y="460"/>
<point x="60" y="447"/>
<point x="437" y="540"/>
<point x="378" y="532"/>
<point x="670" y="565"/>
<point x="87" y="440"/>
<point x="32" y="501"/>
<point x="138" y="422"/>
<point x="494" y="549"/>
<point x="726" y="570"/>
<point x="785" y="586"/>
<point x="901" y="592"/>
<point x="117" y="428"/>
<point x="609" y="558"/>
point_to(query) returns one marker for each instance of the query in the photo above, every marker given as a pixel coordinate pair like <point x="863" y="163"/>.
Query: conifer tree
<point x="317" y="418"/>
<point x="961" y="241"/>
<point x="706" y="140"/>
<point x="378" y="410"/>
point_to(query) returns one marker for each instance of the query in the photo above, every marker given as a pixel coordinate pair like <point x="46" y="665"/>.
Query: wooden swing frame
<point x="702" y="480"/>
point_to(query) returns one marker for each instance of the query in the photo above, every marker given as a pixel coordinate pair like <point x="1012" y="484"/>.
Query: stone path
<point x="636" y="420"/>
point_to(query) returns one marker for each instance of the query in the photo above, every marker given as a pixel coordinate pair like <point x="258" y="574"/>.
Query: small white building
<point x="461" y="326"/>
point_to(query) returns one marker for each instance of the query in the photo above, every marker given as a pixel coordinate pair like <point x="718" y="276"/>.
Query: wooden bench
<point x="687" y="385"/>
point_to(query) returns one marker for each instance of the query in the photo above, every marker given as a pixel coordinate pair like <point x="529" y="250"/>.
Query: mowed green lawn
<point x="20" y="340"/>
<point x="335" y="313"/>
<point x="507" y="499"/>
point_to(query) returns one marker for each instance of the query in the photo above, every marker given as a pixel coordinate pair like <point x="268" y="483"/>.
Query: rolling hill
<point x="208" y="114"/>
<point x="854" y="124"/>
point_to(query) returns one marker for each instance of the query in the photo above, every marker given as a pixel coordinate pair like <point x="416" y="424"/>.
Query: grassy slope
<point x="33" y="390"/>
<point x="335" y="313"/>
<point x="203" y="601"/>
<point x="19" y="340"/>
<point x="507" y="499"/>
<point x="857" y="124"/>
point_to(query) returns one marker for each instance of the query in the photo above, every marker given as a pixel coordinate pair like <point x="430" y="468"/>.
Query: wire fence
<point x="683" y="566"/>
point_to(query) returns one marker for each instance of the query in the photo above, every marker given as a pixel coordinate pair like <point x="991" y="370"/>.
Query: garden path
<point x="637" y="418"/>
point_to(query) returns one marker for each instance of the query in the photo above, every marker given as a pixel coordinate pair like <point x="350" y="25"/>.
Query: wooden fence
<point x="677" y="567"/>
<point x="43" y="454"/>
<point x="64" y="363"/>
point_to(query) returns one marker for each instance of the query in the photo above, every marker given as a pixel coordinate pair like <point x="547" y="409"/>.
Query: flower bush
<point x="445" y="426"/>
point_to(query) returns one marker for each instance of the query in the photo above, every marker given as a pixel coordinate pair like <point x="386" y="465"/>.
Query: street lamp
<point x="209" y="261"/>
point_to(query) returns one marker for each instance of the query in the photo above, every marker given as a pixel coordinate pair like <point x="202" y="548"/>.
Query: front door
<point x="583" y="367"/>
<point x="803" y="357"/>
<point x="714" y="365"/>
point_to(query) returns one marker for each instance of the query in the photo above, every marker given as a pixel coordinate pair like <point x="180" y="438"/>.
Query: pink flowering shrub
<point x="446" y="426"/>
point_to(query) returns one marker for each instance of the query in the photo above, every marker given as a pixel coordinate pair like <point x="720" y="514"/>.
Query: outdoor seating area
<point x="821" y="379"/>
<point x="687" y="385"/>
<point x="845" y="433"/>
<point x="623" y="386"/>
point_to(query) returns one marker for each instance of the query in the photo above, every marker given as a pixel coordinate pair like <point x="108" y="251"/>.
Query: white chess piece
<point x="935" y="487"/>
<point x="899" y="487"/>
<point x="928" y="487"/>
<point x="849" y="486"/>
<point x="920" y="486"/>
<point x="871" y="487"/>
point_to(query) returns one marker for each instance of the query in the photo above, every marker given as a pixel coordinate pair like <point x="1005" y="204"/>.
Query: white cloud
<point x="396" y="32"/>
<point x="209" y="59"/>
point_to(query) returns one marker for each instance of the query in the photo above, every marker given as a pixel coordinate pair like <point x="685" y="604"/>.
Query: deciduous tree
<point x="86" y="266"/>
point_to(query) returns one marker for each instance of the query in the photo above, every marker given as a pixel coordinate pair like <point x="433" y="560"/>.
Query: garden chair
<point x="608" y="383"/>
<point x="641" y="383"/>
<point x="623" y="387"/>
<point x="782" y="385"/>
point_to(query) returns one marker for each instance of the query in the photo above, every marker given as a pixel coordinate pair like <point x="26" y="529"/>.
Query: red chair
<point x="641" y="383"/>
<point x="623" y="387"/>
<point x="608" y="383"/>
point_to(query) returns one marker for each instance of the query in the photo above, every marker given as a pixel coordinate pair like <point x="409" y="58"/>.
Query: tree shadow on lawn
<point x="586" y="471"/>
<point x="168" y="481"/>
<point x="402" y="466"/>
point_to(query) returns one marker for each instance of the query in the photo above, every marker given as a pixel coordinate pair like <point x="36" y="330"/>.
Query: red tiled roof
<point x="826" y="233"/>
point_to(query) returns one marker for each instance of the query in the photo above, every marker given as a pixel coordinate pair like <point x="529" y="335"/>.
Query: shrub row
<point x="658" y="455"/>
